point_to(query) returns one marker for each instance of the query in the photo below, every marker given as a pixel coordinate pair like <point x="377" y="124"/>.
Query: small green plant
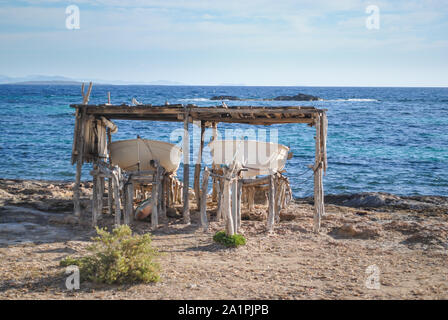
<point x="118" y="257"/>
<point x="229" y="241"/>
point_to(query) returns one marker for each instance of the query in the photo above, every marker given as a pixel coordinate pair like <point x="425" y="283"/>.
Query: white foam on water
<point x="195" y="99"/>
<point x="353" y="100"/>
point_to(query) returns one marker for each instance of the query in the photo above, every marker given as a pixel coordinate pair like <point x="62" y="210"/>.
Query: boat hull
<point x="135" y="154"/>
<point x="260" y="158"/>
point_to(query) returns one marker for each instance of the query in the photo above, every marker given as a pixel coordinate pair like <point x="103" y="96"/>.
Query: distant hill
<point x="61" y="80"/>
<point x="54" y="82"/>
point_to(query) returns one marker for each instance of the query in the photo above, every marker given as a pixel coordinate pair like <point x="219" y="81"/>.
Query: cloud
<point x="222" y="32"/>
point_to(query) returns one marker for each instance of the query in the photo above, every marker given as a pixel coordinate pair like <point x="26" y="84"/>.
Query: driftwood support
<point x="110" y="196"/>
<point x="86" y="96"/>
<point x="117" y="201"/>
<point x="215" y="190"/>
<point x="79" y="131"/>
<point x="95" y="197"/>
<point x="271" y="212"/>
<point x="238" y="203"/>
<point x="220" y="198"/>
<point x="197" y="167"/>
<point x="155" y="200"/>
<point x="234" y="205"/>
<point x="186" y="154"/>
<point x="205" y="176"/>
<point x="320" y="165"/>
<point x="129" y="202"/>
<point x="227" y="209"/>
<point x="163" y="195"/>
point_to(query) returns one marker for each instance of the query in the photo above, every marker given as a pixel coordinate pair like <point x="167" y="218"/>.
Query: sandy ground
<point x="405" y="238"/>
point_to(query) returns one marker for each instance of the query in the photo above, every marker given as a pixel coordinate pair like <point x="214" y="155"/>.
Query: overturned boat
<point x="136" y="154"/>
<point x="259" y="158"/>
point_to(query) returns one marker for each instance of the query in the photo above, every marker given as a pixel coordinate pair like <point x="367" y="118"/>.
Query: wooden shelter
<point x="92" y="135"/>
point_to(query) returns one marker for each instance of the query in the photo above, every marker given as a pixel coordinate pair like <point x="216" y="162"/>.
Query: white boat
<point x="136" y="154"/>
<point x="260" y="158"/>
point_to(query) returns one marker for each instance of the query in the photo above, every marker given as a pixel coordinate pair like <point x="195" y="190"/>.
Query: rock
<point x="297" y="97"/>
<point x="224" y="98"/>
<point x="374" y="200"/>
<point x="362" y="231"/>
<point x="426" y="204"/>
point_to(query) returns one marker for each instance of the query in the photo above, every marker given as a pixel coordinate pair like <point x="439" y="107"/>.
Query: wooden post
<point x="277" y="198"/>
<point x="108" y="97"/>
<point x="155" y="199"/>
<point x="79" y="130"/>
<point x="219" y="190"/>
<point x="129" y="206"/>
<point x="110" y="196"/>
<point x="79" y="160"/>
<point x="215" y="190"/>
<point x="95" y="194"/>
<point x="226" y="208"/>
<point x="197" y="167"/>
<point x="238" y="208"/>
<point x="234" y="205"/>
<point x="204" y="221"/>
<point x="186" y="153"/>
<point x="101" y="197"/>
<point x="86" y="97"/>
<point x="160" y="174"/>
<point x="271" y="215"/>
<point x="251" y="198"/>
<point x="318" y="198"/>
<point x="163" y="195"/>
<point x="116" y="188"/>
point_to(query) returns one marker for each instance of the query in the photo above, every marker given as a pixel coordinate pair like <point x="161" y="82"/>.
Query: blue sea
<point x="379" y="139"/>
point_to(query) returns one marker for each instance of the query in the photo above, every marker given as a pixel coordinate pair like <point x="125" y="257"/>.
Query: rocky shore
<point x="405" y="238"/>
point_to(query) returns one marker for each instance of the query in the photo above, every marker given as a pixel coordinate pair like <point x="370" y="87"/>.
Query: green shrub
<point x="229" y="241"/>
<point x="118" y="257"/>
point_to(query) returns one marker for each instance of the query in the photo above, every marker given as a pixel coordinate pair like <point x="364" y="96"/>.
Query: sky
<point x="256" y="42"/>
